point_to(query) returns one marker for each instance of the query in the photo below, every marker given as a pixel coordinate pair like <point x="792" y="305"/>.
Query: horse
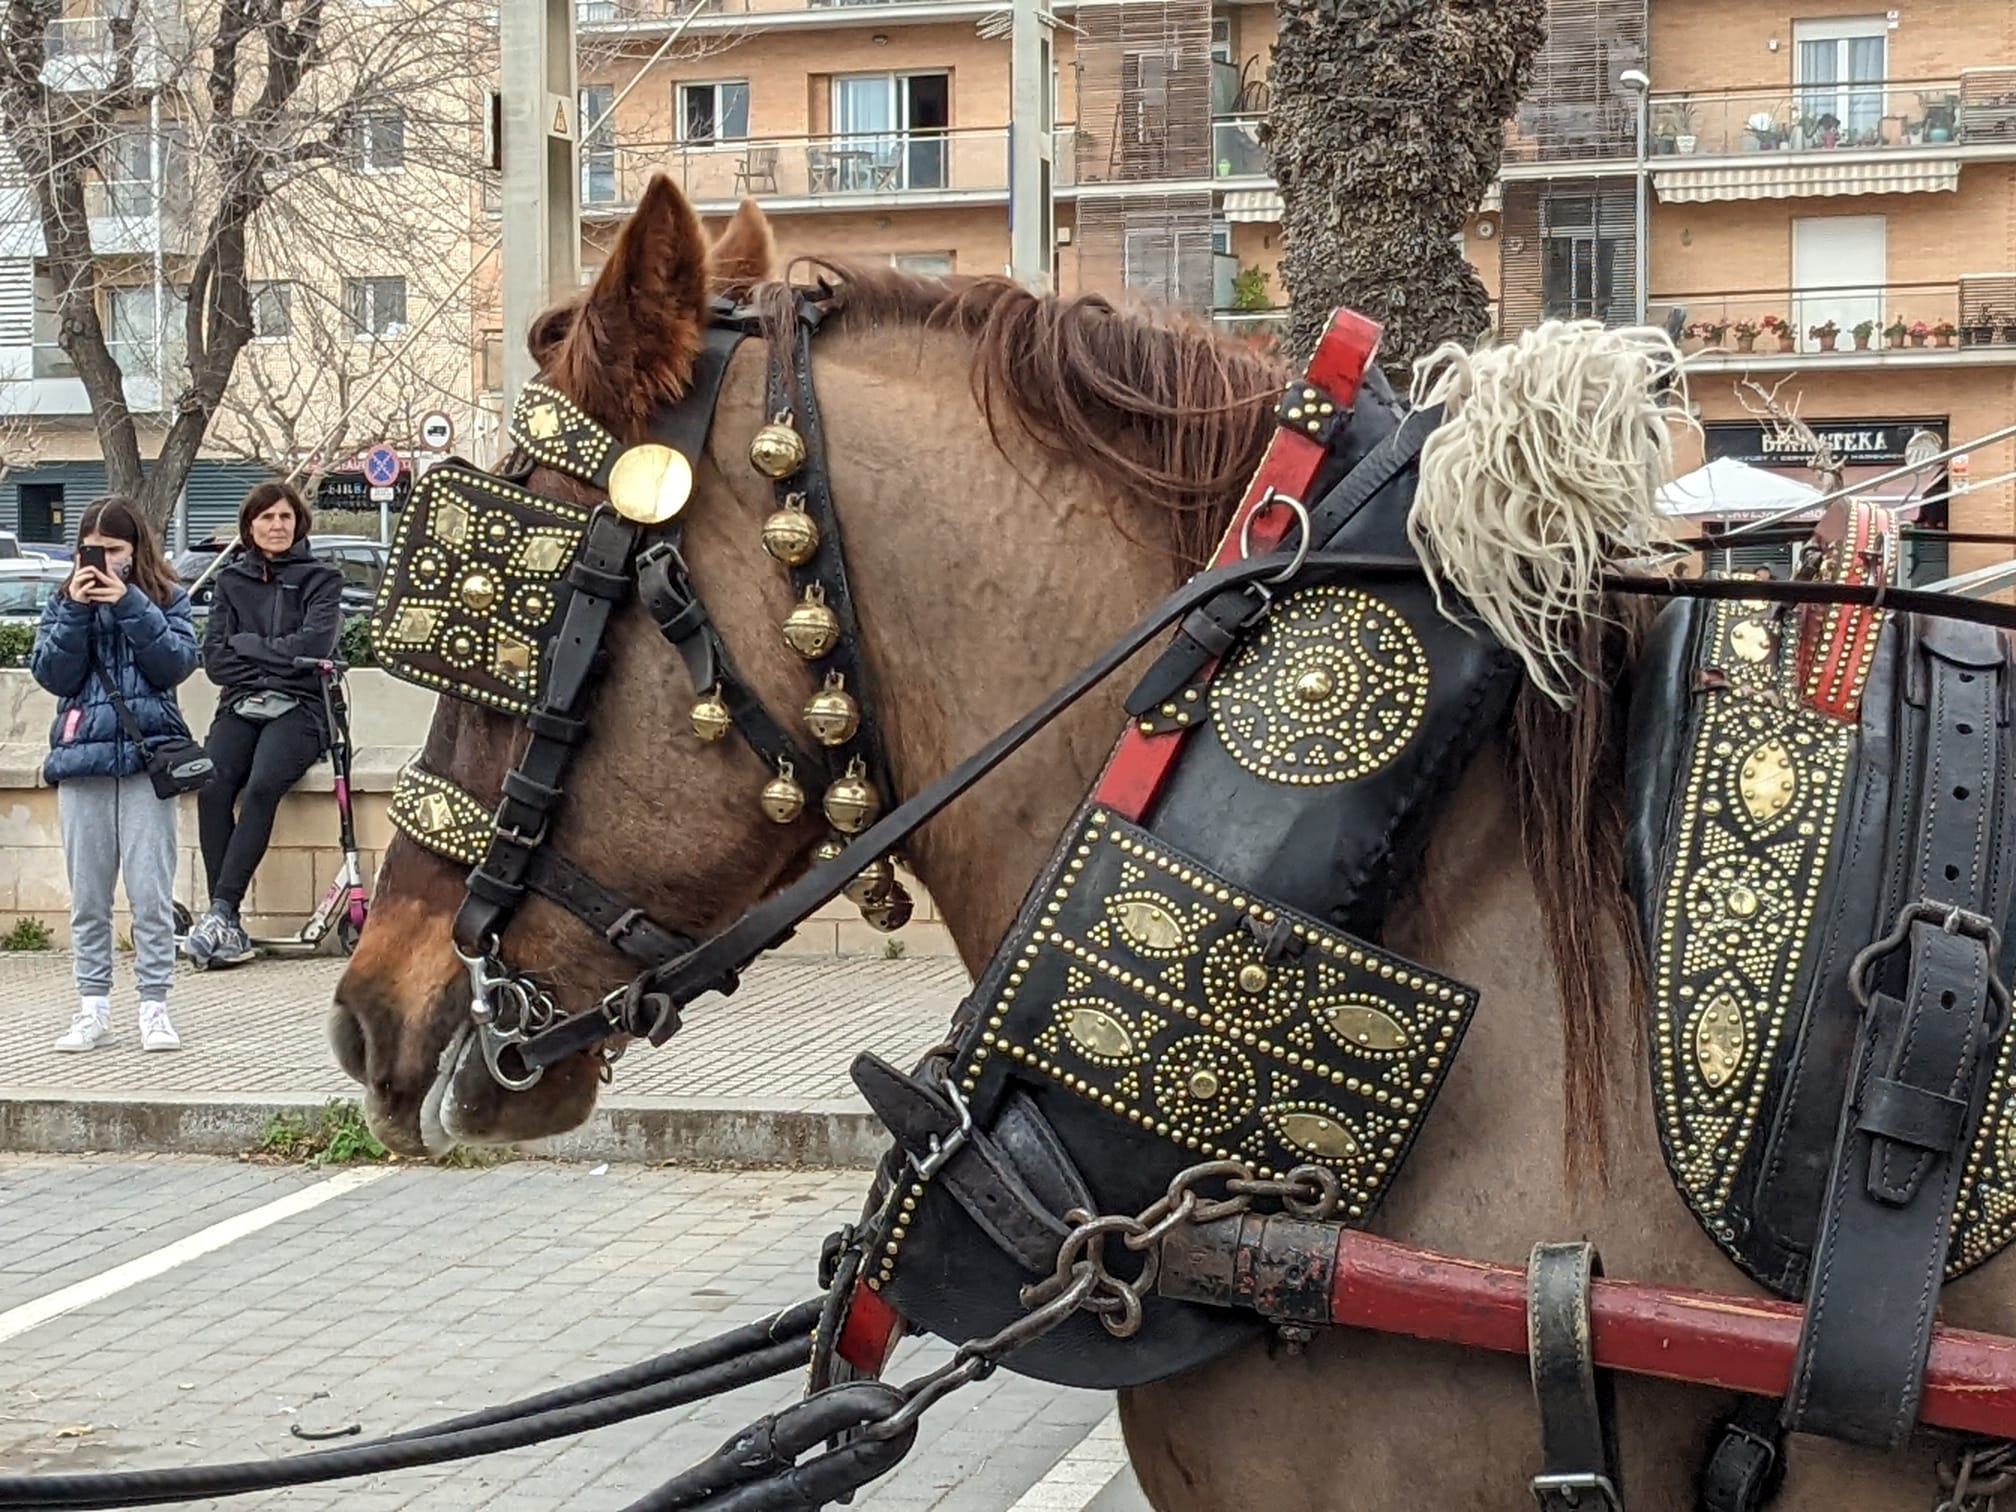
<point x="1019" y="476"/>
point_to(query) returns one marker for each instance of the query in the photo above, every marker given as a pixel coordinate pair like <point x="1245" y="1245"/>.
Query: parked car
<point x="26" y="584"/>
<point x="360" y="559"/>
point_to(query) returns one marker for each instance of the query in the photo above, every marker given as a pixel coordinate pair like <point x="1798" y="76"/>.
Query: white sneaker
<point x="156" y="1032"/>
<point x="92" y="1024"/>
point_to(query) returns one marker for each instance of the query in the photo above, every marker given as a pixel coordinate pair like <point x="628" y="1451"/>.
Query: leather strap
<point x="1916" y="1091"/>
<point x="1578" y="1424"/>
<point x="1747" y="1465"/>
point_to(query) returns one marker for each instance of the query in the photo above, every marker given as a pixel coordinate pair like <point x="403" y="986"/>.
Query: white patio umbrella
<point x="1730" y="490"/>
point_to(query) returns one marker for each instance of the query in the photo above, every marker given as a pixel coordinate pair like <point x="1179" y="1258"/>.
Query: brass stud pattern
<point x="440" y="816"/>
<point x="1330" y="689"/>
<point x="471" y="598"/>
<point x="556" y="431"/>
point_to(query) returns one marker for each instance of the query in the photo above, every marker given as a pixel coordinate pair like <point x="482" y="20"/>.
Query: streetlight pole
<point x="542" y="184"/>
<point x="1640" y="84"/>
<point x="1031" y="212"/>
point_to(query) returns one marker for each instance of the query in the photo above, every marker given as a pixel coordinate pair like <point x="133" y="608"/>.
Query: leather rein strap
<point x="649" y="1004"/>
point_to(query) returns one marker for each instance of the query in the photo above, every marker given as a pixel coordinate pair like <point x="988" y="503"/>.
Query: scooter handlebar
<point x="328" y="665"/>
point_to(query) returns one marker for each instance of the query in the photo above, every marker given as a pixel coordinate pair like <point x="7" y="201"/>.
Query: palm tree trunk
<point x="1386" y="129"/>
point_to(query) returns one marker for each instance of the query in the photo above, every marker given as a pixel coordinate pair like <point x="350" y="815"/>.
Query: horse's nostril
<point x="346" y="1038"/>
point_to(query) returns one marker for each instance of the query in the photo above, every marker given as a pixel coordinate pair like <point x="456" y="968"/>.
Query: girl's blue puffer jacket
<point x="147" y="650"/>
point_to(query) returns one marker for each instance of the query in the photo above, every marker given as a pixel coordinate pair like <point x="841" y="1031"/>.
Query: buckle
<point x="944" y="1150"/>
<point x="1953" y="920"/>
<point x="1575" y="1493"/>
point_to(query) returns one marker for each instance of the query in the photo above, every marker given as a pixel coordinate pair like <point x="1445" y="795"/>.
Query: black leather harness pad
<point x="1154" y="1015"/>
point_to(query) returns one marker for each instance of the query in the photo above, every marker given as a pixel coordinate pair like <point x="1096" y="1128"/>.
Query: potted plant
<point x="1895" y="332"/>
<point x="1763" y="131"/>
<point x="1676" y="125"/>
<point x="1863" y="330"/>
<point x="1919" y="331"/>
<point x="1778" y="329"/>
<point x="1980" y="330"/>
<point x="1942" y="116"/>
<point x="1746" y="335"/>
<point x="1942" y="333"/>
<point x="2008" y="330"/>
<point x="1826" y="333"/>
<point x="1710" y="333"/>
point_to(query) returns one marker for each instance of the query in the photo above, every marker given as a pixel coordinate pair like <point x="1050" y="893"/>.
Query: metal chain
<point x="1981" y="1475"/>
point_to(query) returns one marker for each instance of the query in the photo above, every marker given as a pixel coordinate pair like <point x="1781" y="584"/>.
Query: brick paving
<point x="785" y="1037"/>
<point x="432" y="1292"/>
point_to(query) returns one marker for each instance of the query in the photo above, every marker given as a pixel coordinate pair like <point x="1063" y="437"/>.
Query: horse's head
<point x="624" y="351"/>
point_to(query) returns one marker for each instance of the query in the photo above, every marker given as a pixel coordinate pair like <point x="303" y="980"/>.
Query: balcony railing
<point x="1815" y="118"/>
<point x="645" y="15"/>
<point x="1261" y="327"/>
<point x="835" y="167"/>
<point x="1899" y="317"/>
<point x="1236" y="149"/>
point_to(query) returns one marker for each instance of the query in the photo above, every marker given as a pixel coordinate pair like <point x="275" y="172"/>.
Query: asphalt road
<point x="170" y="1311"/>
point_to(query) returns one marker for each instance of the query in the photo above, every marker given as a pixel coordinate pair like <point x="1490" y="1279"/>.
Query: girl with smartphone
<point x="120" y="633"/>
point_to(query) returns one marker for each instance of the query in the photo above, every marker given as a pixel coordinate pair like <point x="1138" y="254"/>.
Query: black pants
<point x="263" y="762"/>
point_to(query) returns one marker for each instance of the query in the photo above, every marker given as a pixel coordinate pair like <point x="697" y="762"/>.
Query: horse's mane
<point x="1168" y="416"/>
<point x="1174" y="419"/>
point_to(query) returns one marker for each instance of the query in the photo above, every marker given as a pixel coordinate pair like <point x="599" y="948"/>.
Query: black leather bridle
<point x="623" y="548"/>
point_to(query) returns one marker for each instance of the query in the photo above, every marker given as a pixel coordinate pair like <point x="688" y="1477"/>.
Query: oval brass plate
<point x="650" y="484"/>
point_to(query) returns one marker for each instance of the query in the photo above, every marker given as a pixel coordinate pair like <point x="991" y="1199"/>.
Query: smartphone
<point x="94" y="558"/>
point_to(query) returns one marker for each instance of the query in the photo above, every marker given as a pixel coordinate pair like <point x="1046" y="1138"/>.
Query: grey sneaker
<point x="201" y="944"/>
<point x="233" y="947"/>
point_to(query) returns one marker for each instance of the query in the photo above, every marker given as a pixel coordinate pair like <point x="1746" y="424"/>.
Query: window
<point x="598" y="146"/>
<point x="379" y="142"/>
<point x="492" y="362"/>
<point x="1170" y="265"/>
<point x="376" y="307"/>
<point x="128" y="171"/>
<point x="923" y="264"/>
<point x="359" y="566"/>
<point x="714" y="112"/>
<point x="1586" y="268"/>
<point x="1841" y="67"/>
<point x="272" y="311"/>
<point x="889" y="131"/>
<point x="129" y="329"/>
<point x="1839" y="267"/>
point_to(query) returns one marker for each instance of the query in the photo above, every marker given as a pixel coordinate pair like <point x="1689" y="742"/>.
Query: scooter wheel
<point x="184" y="922"/>
<point x="347" y="931"/>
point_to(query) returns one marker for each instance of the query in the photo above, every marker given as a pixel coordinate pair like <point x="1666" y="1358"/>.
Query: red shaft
<point x="1706" y="1338"/>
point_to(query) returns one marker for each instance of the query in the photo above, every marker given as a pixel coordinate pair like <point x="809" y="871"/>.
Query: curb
<point x="688" y="1131"/>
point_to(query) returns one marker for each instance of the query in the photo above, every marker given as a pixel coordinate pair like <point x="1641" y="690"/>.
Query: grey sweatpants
<point x="114" y="826"/>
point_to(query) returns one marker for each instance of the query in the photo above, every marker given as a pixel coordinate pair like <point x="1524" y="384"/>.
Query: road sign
<point x="437" y="431"/>
<point x="383" y="495"/>
<point x="381" y="466"/>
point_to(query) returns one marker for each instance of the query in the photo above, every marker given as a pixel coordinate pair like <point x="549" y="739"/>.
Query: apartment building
<point x="1789" y="167"/>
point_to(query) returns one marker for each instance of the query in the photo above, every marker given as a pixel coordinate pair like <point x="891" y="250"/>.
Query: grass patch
<point x="337" y="1136"/>
<point x="893" y="950"/>
<point x="27" y="934"/>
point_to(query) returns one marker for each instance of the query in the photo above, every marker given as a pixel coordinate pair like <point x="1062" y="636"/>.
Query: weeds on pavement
<point x="27" y="934"/>
<point x="339" y="1136"/>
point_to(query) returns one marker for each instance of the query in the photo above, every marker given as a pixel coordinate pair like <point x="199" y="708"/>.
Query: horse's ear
<point x="548" y="331"/>
<point x="636" y="333"/>
<point x="746" y="253"/>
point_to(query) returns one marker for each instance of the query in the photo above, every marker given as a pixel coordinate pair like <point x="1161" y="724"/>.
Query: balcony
<point x="1237" y="150"/>
<point x="53" y="387"/>
<point x="1967" y="322"/>
<point x="81" y="56"/>
<point x="882" y="171"/>
<point x="1976" y="110"/>
<point x="607" y="20"/>
<point x="1261" y="328"/>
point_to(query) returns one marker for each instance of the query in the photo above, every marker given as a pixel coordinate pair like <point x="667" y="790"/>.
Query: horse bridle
<point x="632" y="539"/>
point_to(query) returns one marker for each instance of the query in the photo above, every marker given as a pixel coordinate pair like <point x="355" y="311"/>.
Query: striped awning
<point x="1253" y="205"/>
<point x="1265" y="204"/>
<point x="1772" y="178"/>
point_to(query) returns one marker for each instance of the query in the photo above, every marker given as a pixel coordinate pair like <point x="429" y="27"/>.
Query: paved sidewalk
<point x="255" y="1038"/>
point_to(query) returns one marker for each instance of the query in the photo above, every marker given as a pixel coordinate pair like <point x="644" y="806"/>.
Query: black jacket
<point x="264" y="612"/>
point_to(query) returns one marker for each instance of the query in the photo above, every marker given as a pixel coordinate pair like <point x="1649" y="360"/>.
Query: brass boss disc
<point x="650" y="484"/>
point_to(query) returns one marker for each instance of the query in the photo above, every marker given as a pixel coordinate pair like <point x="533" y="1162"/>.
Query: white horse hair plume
<point x="1543" y="474"/>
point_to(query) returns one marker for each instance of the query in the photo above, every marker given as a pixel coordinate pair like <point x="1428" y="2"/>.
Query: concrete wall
<point x="386" y="717"/>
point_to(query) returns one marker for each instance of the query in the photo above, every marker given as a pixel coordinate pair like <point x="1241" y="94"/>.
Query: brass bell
<point x="711" y="719"/>
<point x="829" y="849"/>
<point x="812" y="629"/>
<point x="891" y="913"/>
<point x="791" y="535"/>
<point x="783" y="799"/>
<point x="871" y="884"/>
<point x="831" y="714"/>
<point x="777" y="450"/>
<point x="852" y="803"/>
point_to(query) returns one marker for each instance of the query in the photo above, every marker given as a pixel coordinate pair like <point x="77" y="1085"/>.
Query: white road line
<point x="18" y="1320"/>
<point x="1072" y="1483"/>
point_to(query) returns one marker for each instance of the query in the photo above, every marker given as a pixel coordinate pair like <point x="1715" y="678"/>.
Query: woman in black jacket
<point x="271" y="603"/>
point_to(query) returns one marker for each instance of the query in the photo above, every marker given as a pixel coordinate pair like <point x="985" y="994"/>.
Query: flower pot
<point x="1831" y="343"/>
<point x="1944" y="339"/>
<point x="2009" y="334"/>
<point x="1685" y="143"/>
<point x="1746" y="343"/>
<point x="1894" y="339"/>
<point x="1861" y="343"/>
<point x="1918" y="338"/>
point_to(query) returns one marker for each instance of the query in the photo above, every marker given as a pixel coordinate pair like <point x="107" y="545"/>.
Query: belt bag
<point x="176" y="764"/>
<point x="265" y="706"/>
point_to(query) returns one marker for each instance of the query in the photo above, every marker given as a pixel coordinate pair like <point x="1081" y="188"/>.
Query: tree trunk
<point x="1386" y="129"/>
